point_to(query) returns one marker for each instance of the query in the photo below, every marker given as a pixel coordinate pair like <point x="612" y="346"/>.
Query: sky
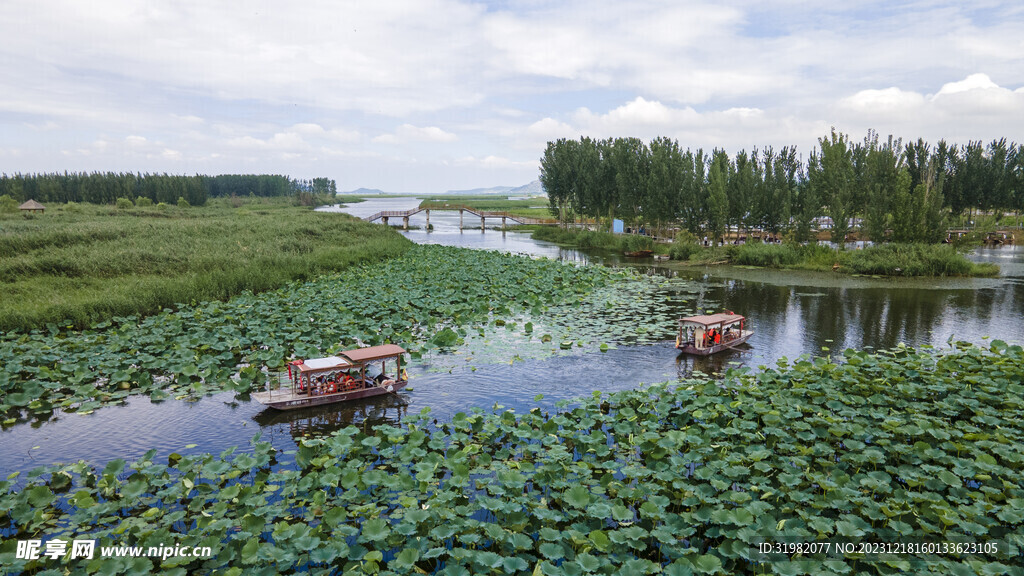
<point x="435" y="95"/>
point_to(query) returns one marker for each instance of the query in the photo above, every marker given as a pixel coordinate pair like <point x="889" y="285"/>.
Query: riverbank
<point x="901" y="260"/>
<point x="681" y="479"/>
<point x="79" y="264"/>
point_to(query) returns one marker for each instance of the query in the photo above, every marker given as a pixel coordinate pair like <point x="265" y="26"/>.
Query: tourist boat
<point x="640" y="253"/>
<point x="350" y="375"/>
<point x="705" y="335"/>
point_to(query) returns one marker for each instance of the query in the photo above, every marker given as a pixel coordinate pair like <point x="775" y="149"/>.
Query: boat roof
<point x="373" y="353"/>
<point x="712" y="319"/>
<point x="328" y="363"/>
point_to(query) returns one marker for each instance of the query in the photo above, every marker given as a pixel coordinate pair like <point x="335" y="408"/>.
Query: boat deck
<point x="689" y="348"/>
<point x="287" y="399"/>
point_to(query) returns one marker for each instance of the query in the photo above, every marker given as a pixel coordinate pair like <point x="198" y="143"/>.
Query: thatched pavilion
<point x="32" y="206"/>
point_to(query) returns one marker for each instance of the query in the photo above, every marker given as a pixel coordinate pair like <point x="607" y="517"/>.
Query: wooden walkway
<point x="482" y="214"/>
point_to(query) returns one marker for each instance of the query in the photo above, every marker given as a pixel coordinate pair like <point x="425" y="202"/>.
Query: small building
<point x="31" y="206"/>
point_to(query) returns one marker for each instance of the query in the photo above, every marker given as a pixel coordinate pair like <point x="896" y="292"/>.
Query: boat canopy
<point x="373" y="353"/>
<point x="320" y="364"/>
<point x="713" y="319"/>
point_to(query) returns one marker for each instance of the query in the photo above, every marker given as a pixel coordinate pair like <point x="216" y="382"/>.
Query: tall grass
<point x="914" y="260"/>
<point x="592" y="239"/>
<point x="881" y="260"/>
<point x="84" y="265"/>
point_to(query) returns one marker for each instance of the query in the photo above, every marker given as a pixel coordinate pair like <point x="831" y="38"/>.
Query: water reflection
<point x="325" y="419"/>
<point x="688" y="366"/>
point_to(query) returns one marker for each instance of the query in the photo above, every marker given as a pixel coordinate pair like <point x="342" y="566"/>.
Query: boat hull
<point x="287" y="400"/>
<point x="689" y="348"/>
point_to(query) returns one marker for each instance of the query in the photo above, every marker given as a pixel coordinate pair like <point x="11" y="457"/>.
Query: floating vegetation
<point x="632" y="310"/>
<point x="423" y="300"/>
<point x="902" y="446"/>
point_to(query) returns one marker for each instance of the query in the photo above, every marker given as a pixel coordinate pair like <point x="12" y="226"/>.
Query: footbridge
<point x="385" y="215"/>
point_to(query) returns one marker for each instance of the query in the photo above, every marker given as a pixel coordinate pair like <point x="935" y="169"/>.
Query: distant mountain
<point x="359" y="191"/>
<point x="532" y="189"/>
<point x="477" y="191"/>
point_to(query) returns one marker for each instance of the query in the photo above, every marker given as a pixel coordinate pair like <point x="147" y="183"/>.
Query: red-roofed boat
<point x="712" y="333"/>
<point x="350" y="375"/>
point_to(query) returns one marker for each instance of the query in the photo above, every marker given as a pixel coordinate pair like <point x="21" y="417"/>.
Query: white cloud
<point x="972" y="82"/>
<point x="408" y="133"/>
<point x="494" y="162"/>
<point x="290" y="89"/>
<point x="883" y="103"/>
<point x="969" y="109"/>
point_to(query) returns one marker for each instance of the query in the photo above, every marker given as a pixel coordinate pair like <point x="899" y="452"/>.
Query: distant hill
<point x="478" y="191"/>
<point x="532" y="189"/>
<point x="359" y="191"/>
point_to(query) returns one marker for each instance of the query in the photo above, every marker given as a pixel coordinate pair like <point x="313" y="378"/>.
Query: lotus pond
<point x="899" y="446"/>
<point x="429" y="298"/>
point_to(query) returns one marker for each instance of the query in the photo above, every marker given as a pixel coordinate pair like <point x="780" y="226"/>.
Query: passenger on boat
<point x="373" y="372"/>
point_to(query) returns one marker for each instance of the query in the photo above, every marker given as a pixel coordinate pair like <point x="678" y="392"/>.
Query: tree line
<point x="107" y="187"/>
<point x="897" y="192"/>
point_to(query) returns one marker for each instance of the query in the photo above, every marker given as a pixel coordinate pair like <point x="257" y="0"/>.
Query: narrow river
<point x="792" y="313"/>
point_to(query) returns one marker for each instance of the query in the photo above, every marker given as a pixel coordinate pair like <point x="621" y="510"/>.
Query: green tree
<point x="883" y="165"/>
<point x="631" y="162"/>
<point x="831" y="175"/>
<point x="740" y="188"/>
<point x="693" y="197"/>
<point x="718" y="200"/>
<point x="664" y="183"/>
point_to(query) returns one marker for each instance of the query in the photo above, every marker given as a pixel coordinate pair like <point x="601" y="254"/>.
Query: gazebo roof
<point x="31" y="205"/>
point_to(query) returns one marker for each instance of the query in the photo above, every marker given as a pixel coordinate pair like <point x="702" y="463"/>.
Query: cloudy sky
<point x="431" y="95"/>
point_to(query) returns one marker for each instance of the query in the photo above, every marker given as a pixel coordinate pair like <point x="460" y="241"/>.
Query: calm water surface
<point x="792" y="313"/>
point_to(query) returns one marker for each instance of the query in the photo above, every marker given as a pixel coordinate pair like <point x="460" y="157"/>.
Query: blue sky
<point x="431" y="95"/>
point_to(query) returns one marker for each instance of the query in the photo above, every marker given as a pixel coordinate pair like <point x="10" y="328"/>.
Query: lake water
<point x="792" y="313"/>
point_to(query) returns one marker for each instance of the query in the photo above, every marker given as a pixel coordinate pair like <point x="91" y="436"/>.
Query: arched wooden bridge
<point x="385" y="215"/>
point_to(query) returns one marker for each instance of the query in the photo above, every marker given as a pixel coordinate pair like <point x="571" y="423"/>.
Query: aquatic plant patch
<point x="633" y="310"/>
<point x="417" y="300"/>
<point x="902" y="446"/>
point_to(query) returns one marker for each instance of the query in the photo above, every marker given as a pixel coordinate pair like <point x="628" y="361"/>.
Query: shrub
<point x="124" y="204"/>
<point x="143" y="202"/>
<point x="8" y="205"/>
<point x="161" y="206"/>
<point x="909" y="260"/>
<point x="182" y="203"/>
<point x="683" y="251"/>
<point x="73" y="207"/>
<point x="767" y="255"/>
<point x="631" y="243"/>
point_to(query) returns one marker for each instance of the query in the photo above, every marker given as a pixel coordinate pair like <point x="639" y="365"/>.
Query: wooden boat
<point x="705" y="335"/>
<point x="338" y="378"/>
<point x="640" y="253"/>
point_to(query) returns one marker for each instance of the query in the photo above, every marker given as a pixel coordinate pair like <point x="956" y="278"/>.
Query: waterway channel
<point x="792" y="313"/>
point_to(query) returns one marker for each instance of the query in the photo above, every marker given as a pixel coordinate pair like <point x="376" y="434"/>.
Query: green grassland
<point x="79" y="264"/>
